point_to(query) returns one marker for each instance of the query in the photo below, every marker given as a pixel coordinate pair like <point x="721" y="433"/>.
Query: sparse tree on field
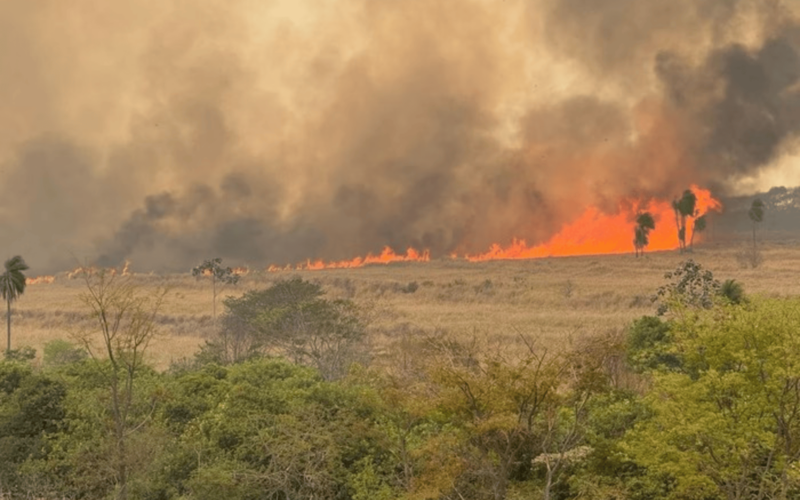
<point x="684" y="207"/>
<point x="222" y="275"/>
<point x="12" y="285"/>
<point x="125" y="318"/>
<point x="641" y="234"/>
<point x="756" y="214"/>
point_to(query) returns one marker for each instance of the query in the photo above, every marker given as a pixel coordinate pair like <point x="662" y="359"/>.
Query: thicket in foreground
<point x="700" y="403"/>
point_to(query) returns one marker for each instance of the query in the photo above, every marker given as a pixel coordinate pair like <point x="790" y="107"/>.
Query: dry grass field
<point x="558" y="300"/>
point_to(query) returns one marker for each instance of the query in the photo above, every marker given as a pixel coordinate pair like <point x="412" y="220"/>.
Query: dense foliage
<point x="702" y="403"/>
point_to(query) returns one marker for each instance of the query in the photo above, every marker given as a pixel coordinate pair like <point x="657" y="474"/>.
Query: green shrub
<point x="24" y="353"/>
<point x="650" y="345"/>
<point x="733" y="291"/>
<point x="61" y="352"/>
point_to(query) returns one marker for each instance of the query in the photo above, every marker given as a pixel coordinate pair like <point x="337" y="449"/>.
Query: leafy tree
<point x="727" y="425"/>
<point x="125" y="319"/>
<point x="644" y="224"/>
<point x="31" y="408"/>
<point x="222" y="275"/>
<point x="514" y="418"/>
<point x="756" y="215"/>
<point x="291" y="318"/>
<point x="12" y="286"/>
<point x="276" y="430"/>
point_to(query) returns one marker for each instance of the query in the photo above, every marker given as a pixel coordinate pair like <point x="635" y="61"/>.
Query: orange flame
<point x="596" y="233"/>
<point x="240" y="271"/>
<point x="40" y="280"/>
<point x="387" y="256"/>
<point x="593" y="233"/>
<point x="78" y="271"/>
<point x="91" y="270"/>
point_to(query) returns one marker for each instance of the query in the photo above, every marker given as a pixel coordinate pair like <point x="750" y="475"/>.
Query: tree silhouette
<point x="756" y="214"/>
<point x="641" y="233"/>
<point x="12" y="285"/>
<point x="684" y="207"/>
<point x="223" y="275"/>
<point x="700" y="225"/>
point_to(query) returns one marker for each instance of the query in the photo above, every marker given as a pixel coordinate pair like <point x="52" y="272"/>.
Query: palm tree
<point x="644" y="224"/>
<point x="756" y="214"/>
<point x="684" y="207"/>
<point x="12" y="285"/>
<point x="700" y="225"/>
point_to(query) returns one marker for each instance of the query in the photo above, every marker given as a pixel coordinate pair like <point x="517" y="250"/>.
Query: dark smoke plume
<point x="274" y="132"/>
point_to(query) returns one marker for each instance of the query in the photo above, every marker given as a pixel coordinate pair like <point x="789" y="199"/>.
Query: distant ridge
<point x="781" y="215"/>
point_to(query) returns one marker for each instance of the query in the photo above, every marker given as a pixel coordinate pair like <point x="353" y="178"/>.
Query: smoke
<point x="273" y="132"/>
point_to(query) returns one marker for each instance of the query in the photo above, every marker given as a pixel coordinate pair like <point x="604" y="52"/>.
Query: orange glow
<point x="596" y="233"/>
<point x="80" y="270"/>
<point x="593" y="233"/>
<point x="387" y="256"/>
<point x="240" y="271"/>
<point x="40" y="280"/>
<point x="91" y="270"/>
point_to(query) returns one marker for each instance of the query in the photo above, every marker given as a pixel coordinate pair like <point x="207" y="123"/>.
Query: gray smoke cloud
<point x="273" y="132"/>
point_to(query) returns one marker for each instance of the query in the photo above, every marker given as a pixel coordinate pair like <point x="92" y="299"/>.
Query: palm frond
<point x="16" y="264"/>
<point x="12" y="281"/>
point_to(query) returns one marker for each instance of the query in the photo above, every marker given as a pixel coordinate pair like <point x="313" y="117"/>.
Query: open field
<point x="557" y="299"/>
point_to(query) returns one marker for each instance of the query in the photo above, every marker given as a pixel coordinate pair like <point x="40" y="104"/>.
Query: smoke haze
<point x="279" y="131"/>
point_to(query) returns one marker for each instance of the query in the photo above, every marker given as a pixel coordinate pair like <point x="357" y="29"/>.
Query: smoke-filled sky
<point x="266" y="131"/>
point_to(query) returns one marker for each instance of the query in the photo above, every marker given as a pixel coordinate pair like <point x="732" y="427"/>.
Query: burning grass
<point x="561" y="300"/>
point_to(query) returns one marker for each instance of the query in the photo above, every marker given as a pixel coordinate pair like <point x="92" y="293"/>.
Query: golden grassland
<point x="558" y="300"/>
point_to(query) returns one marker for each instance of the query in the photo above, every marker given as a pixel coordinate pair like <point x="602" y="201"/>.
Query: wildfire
<point x="91" y="270"/>
<point x="596" y="233"/>
<point x="40" y="280"/>
<point x="387" y="256"/>
<point x="593" y="233"/>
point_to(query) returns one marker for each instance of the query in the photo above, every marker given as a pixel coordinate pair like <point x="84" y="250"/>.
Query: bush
<point x="24" y="353"/>
<point x="290" y="318"/>
<point x="31" y="406"/>
<point x="650" y="345"/>
<point x="61" y="352"/>
<point x="690" y="286"/>
<point x="733" y="291"/>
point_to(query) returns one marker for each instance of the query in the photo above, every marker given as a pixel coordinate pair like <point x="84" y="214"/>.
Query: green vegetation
<point x="699" y="402"/>
<point x="292" y="319"/>
<point x="12" y="285"/>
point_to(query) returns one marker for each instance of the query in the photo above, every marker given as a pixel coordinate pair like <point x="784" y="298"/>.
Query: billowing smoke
<point x="273" y="132"/>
